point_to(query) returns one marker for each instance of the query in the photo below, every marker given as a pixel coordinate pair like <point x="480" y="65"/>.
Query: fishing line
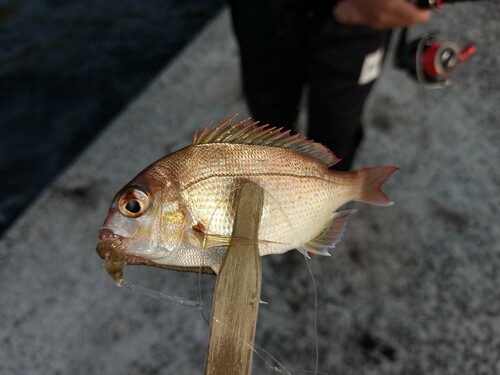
<point x="315" y="319"/>
<point x="271" y="362"/>
<point x="200" y="299"/>
<point x="203" y="255"/>
<point x="204" y="245"/>
<point x="315" y="291"/>
<point x="274" y="364"/>
<point x="315" y="294"/>
<point x="197" y="305"/>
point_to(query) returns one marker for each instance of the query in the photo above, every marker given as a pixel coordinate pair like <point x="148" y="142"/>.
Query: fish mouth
<point x="110" y="247"/>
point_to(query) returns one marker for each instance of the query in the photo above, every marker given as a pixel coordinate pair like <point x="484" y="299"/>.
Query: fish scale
<point x="288" y="220"/>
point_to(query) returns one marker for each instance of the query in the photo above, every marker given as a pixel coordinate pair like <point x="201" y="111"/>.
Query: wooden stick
<point x="237" y="292"/>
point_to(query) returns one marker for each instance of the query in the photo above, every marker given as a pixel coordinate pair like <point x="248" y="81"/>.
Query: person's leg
<point x="271" y="37"/>
<point x="341" y="75"/>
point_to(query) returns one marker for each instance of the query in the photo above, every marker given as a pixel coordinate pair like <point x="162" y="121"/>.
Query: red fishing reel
<point x="430" y="61"/>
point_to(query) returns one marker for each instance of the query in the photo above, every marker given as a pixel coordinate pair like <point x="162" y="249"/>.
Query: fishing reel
<point x="430" y="61"/>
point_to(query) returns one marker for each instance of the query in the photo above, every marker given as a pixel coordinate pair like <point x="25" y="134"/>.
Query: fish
<point x="178" y="213"/>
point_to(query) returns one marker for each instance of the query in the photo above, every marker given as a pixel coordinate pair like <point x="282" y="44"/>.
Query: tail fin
<point x="371" y="179"/>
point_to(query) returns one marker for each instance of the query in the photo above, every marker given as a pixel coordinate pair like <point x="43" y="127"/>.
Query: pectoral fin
<point x="331" y="235"/>
<point x="210" y="240"/>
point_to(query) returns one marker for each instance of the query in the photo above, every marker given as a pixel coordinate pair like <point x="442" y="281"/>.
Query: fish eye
<point x="133" y="203"/>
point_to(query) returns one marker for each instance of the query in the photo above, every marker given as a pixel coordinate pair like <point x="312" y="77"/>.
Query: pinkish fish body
<point x="178" y="213"/>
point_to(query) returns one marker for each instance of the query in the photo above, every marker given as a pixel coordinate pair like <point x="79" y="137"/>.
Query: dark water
<point x="66" y="68"/>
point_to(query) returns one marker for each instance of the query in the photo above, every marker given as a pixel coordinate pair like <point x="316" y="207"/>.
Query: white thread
<point x="315" y="315"/>
<point x="273" y="363"/>
<point x="198" y="305"/>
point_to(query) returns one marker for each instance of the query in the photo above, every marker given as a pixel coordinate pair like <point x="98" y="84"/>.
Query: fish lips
<point x="106" y="233"/>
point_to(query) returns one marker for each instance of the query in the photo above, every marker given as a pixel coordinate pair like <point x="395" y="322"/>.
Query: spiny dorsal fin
<point x="249" y="133"/>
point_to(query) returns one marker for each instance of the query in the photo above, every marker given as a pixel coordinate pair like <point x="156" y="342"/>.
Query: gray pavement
<point x="412" y="289"/>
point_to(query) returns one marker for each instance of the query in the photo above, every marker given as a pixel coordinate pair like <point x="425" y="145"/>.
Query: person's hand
<point x="380" y="14"/>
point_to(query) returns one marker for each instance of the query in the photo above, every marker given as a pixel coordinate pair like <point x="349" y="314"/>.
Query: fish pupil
<point x="133" y="206"/>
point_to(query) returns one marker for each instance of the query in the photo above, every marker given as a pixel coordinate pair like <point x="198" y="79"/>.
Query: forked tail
<point x="371" y="179"/>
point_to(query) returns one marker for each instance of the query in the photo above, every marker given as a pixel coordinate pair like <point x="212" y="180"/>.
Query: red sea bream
<point x="178" y="213"/>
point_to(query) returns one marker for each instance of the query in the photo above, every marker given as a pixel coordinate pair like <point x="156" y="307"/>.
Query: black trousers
<point x="286" y="44"/>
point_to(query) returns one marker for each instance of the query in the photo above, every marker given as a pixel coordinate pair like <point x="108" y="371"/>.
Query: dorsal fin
<point x="249" y="133"/>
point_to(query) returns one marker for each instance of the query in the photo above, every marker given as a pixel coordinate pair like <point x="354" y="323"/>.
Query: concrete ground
<point x="412" y="289"/>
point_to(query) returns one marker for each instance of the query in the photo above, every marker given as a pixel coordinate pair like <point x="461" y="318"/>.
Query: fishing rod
<point x="432" y="62"/>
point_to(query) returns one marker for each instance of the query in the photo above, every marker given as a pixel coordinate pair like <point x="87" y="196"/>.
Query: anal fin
<point x="330" y="236"/>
